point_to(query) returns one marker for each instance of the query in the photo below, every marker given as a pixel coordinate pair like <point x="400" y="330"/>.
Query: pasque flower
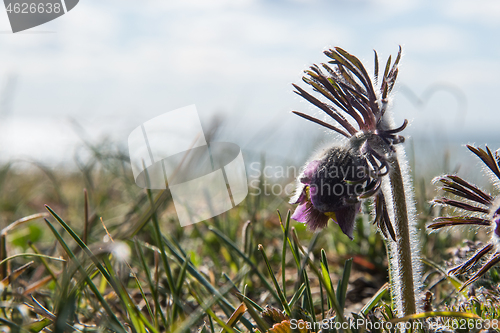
<point x="334" y="182"/>
<point x="477" y="208"/>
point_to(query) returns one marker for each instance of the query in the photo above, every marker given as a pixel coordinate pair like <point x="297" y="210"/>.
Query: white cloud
<point x="396" y="7"/>
<point x="481" y="11"/>
<point x="428" y="39"/>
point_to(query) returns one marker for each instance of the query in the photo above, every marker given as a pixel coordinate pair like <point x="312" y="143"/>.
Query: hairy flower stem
<point x="402" y="276"/>
<point x="404" y="253"/>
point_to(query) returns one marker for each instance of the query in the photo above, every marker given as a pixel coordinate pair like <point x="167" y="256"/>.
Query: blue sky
<point x="112" y="65"/>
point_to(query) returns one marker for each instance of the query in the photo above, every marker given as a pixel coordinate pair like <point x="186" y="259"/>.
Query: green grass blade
<point x="225" y="304"/>
<point x="250" y="302"/>
<point x="322" y="296"/>
<point x="285" y="229"/>
<point x="303" y="272"/>
<point x="89" y="253"/>
<point x="137" y="325"/>
<point x="452" y="279"/>
<point x="141" y="290"/>
<point x="282" y="298"/>
<point x="261" y="324"/>
<point x="209" y="311"/>
<point x="342" y="289"/>
<point x="295" y="251"/>
<point x="296" y="296"/>
<point x="13" y="326"/>
<point x="46" y="265"/>
<point x="27" y="255"/>
<point x="88" y="280"/>
<point x="187" y="325"/>
<point x="375" y="299"/>
<point x="163" y="255"/>
<point x="331" y="293"/>
<point x="181" y="279"/>
<point x="228" y="279"/>
<point x="37" y="326"/>
<point x="328" y="285"/>
<point x="152" y="286"/>
<point x="388" y="312"/>
<point x="326" y="273"/>
<point x="80" y="243"/>
<point x="309" y="299"/>
<point x="235" y="248"/>
<point x="161" y="198"/>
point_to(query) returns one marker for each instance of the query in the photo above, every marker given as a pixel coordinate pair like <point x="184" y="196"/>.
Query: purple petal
<point x="496" y="219"/>
<point x="346" y="217"/>
<point x="306" y="213"/>
<point x="300" y="195"/>
<point x="309" y="172"/>
<point x="497" y="227"/>
<point x="301" y="213"/>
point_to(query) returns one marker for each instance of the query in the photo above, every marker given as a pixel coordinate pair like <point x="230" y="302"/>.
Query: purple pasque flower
<point x="323" y="195"/>
<point x="333" y="183"/>
<point x="476" y="208"/>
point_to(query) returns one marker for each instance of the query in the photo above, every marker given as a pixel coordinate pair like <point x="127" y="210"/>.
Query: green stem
<point x="404" y="252"/>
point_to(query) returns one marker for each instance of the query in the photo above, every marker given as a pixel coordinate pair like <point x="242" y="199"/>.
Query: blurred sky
<point x="111" y="65"/>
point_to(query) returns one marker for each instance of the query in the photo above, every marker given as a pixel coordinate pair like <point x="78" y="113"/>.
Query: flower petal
<point x="306" y="213"/>
<point x="301" y="213"/>
<point x="345" y="219"/>
<point x="497" y="226"/>
<point x="309" y="172"/>
<point x="300" y="195"/>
